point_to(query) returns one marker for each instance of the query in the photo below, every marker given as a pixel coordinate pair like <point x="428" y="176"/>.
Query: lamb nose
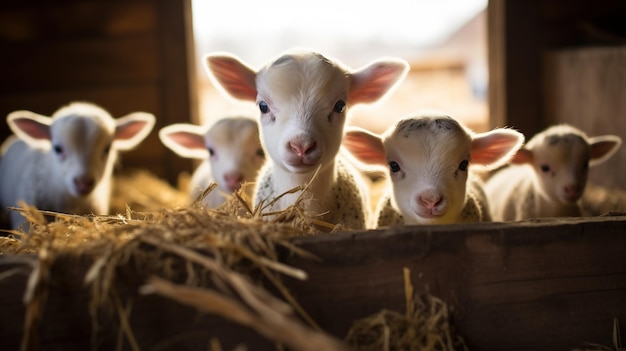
<point x="572" y="189"/>
<point x="84" y="184"/>
<point x="430" y="200"/>
<point x="233" y="179"/>
<point x="301" y="149"/>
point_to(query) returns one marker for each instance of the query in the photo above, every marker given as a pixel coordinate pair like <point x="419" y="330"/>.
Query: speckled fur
<point x="346" y="201"/>
<point x="476" y="208"/>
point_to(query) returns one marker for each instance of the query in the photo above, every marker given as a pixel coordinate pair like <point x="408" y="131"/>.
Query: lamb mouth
<point x="300" y="165"/>
<point x="425" y="213"/>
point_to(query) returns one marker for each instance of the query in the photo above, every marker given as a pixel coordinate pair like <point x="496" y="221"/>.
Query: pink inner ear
<point x="373" y="82"/>
<point x="493" y="148"/>
<point x="235" y="77"/>
<point x="522" y="156"/>
<point x="33" y="128"/>
<point x="187" y="140"/>
<point x="601" y="148"/>
<point x="367" y="148"/>
<point x="129" y="130"/>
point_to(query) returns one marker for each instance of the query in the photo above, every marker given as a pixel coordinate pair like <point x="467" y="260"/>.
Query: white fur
<point x="230" y="151"/>
<point x="300" y="95"/>
<point x="64" y="163"/>
<point x="429" y="159"/>
<point x="524" y="190"/>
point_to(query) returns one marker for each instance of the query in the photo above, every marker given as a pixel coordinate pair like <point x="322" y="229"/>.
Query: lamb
<point x="303" y="98"/>
<point x="429" y="157"/>
<point x="548" y="175"/>
<point x="64" y="163"/>
<point x="230" y="151"/>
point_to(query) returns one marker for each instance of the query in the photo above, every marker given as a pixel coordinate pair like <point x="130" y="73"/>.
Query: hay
<point x="425" y="326"/>
<point x="142" y="191"/>
<point x="218" y="247"/>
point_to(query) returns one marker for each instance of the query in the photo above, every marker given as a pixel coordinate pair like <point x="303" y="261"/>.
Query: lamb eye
<point x="107" y="149"/>
<point x="260" y="153"/>
<point x="263" y="107"/>
<point x="211" y="151"/>
<point x="463" y="165"/>
<point x="545" y="168"/>
<point x="340" y="106"/>
<point x="394" y="166"/>
<point x="58" y="149"/>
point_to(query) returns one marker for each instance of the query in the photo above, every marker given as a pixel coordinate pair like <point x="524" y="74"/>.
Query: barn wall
<point x="587" y="88"/>
<point x="554" y="61"/>
<point x="123" y="55"/>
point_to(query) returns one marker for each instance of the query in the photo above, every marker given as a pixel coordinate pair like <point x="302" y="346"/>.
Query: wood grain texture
<point x="553" y="284"/>
<point x="586" y="87"/>
<point x="124" y="55"/>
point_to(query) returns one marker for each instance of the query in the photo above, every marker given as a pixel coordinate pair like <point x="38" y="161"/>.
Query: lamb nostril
<point x="572" y="189"/>
<point x="430" y="200"/>
<point x="302" y="148"/>
<point x="84" y="184"/>
<point x="233" y="179"/>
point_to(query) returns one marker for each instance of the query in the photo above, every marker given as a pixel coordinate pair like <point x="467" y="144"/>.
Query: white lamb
<point x="548" y="175"/>
<point x="303" y="98"/>
<point x="429" y="159"/>
<point x="64" y="163"/>
<point x="230" y="151"/>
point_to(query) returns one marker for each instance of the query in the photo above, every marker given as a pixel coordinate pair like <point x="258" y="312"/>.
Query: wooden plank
<point x="515" y="42"/>
<point x="520" y="33"/>
<point x="79" y="63"/>
<point x="586" y="87"/>
<point x="536" y="285"/>
<point x="35" y="20"/>
<point x="176" y="61"/>
<point x="528" y="286"/>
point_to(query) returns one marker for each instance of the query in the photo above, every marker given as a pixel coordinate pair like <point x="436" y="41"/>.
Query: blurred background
<point x="521" y="64"/>
<point x="444" y="42"/>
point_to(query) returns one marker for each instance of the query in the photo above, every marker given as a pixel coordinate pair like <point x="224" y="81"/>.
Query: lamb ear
<point x="523" y="156"/>
<point x="602" y="148"/>
<point x="186" y="140"/>
<point x="232" y="76"/>
<point x="495" y="148"/>
<point x="132" y="129"/>
<point x="365" y="146"/>
<point x="374" y="81"/>
<point x="30" y="127"/>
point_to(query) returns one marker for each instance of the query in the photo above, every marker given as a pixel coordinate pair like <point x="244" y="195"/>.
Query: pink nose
<point x="572" y="190"/>
<point x="302" y="148"/>
<point x="84" y="184"/>
<point x="233" y="180"/>
<point x="430" y="200"/>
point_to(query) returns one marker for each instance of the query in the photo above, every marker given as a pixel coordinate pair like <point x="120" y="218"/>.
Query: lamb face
<point x="429" y="158"/>
<point x="303" y="99"/>
<point x="64" y="163"/>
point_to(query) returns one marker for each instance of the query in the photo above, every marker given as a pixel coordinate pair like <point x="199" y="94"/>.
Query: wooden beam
<point x="553" y="284"/>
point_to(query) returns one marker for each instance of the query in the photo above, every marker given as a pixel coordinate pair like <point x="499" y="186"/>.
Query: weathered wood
<point x="537" y="285"/>
<point x="124" y="55"/>
<point x="586" y="87"/>
<point x="526" y="286"/>
<point x="521" y="32"/>
<point x="514" y="46"/>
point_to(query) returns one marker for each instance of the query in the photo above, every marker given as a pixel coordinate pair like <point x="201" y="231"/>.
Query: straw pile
<point x="221" y="246"/>
<point x="220" y="250"/>
<point x="425" y="326"/>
